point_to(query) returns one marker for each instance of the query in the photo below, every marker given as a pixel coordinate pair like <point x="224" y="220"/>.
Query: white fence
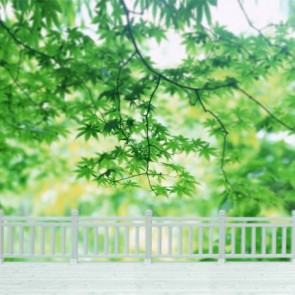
<point x="78" y="238"/>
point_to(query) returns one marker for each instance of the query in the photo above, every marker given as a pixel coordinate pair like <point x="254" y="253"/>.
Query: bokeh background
<point x="40" y="180"/>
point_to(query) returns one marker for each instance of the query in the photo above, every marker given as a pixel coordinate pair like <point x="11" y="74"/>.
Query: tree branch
<point x="228" y="40"/>
<point x="251" y="24"/>
<point x="118" y="94"/>
<point x="147" y="132"/>
<point x="15" y="81"/>
<point x="259" y="31"/>
<point x="129" y="177"/>
<point x="196" y="89"/>
<point x="265" y="109"/>
<point x="93" y="101"/>
<point x="150" y="68"/>
<point x="225" y="134"/>
<point x="19" y="42"/>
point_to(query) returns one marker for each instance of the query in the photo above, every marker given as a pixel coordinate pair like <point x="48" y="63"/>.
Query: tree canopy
<point x="84" y="68"/>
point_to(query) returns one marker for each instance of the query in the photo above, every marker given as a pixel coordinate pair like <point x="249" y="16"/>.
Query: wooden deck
<point x="156" y="278"/>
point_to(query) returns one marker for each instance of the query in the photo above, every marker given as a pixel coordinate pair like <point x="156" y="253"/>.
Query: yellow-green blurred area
<point x="38" y="175"/>
<point x="60" y="192"/>
<point x="52" y="188"/>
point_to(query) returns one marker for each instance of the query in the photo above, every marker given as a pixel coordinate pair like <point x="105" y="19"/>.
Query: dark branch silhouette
<point x="265" y="109"/>
<point x="147" y="125"/>
<point x="154" y="71"/>
<point x="24" y="45"/>
<point x="198" y="90"/>
<point x="225" y="134"/>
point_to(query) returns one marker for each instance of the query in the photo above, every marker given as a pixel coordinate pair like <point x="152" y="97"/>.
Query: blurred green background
<point x="37" y="177"/>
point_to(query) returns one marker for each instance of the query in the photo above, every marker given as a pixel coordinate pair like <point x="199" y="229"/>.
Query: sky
<point x="227" y="13"/>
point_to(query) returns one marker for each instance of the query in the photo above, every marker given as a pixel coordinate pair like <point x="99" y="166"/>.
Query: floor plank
<point x="151" y="279"/>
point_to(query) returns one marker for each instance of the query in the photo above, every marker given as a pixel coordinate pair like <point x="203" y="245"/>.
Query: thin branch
<point x="19" y="64"/>
<point x="265" y="108"/>
<point x="150" y="68"/>
<point x="93" y="101"/>
<point x="251" y="23"/>
<point x="225" y="134"/>
<point x="136" y="12"/>
<point x="129" y="177"/>
<point x="139" y="12"/>
<point x="19" y="42"/>
<point x="281" y="48"/>
<point x="15" y="81"/>
<point x="161" y="150"/>
<point x="286" y="24"/>
<point x="228" y="40"/>
<point x="139" y="174"/>
<point x="147" y="121"/>
<point x="148" y="132"/>
<point x="118" y="94"/>
<point x="196" y="89"/>
<point x="147" y="65"/>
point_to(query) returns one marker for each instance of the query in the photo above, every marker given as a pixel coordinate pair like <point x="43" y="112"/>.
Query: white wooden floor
<point x="156" y="278"/>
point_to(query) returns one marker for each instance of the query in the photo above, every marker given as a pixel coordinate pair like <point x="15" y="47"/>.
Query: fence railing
<point x="78" y="237"/>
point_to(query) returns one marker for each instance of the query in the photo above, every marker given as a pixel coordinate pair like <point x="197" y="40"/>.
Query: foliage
<point x="55" y="75"/>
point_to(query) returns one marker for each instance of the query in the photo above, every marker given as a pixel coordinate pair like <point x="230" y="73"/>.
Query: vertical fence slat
<point x="253" y="240"/>
<point x="159" y="240"/>
<point x="52" y="240"/>
<point x="63" y="240"/>
<point x="106" y="240"/>
<point x="243" y="242"/>
<point x="211" y="239"/>
<point x="284" y="239"/>
<point x="233" y="240"/>
<point x="126" y="239"/>
<point x="200" y="246"/>
<point x="85" y="240"/>
<point x="222" y="232"/>
<point x="179" y="240"/>
<point x="136" y="239"/>
<point x="190" y="240"/>
<point x="274" y="240"/>
<point x="96" y="233"/>
<point x="42" y="240"/>
<point x="1" y="236"/>
<point x="263" y="244"/>
<point x="148" y="235"/>
<point x="21" y="240"/>
<point x="170" y="239"/>
<point x="293" y="236"/>
<point x="116" y="239"/>
<point x="32" y="240"/>
<point x="74" y="243"/>
<point x="10" y="240"/>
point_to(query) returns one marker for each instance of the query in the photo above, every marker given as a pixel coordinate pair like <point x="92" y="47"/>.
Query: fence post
<point x="74" y="243"/>
<point x="148" y="235"/>
<point x="1" y="236"/>
<point x="222" y="233"/>
<point x="293" y="236"/>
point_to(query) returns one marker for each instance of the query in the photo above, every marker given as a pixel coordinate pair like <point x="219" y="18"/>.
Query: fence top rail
<point x="148" y="216"/>
<point x="30" y="218"/>
<point x="258" y="225"/>
<point x="142" y="218"/>
<point x="37" y="224"/>
<point x="168" y="218"/>
<point x="259" y="218"/>
<point x="111" y="218"/>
